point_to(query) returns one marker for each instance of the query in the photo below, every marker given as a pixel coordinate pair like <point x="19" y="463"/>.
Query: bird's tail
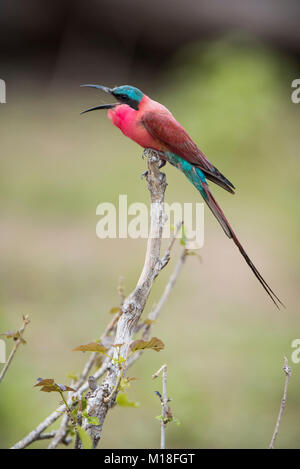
<point x="218" y="213"/>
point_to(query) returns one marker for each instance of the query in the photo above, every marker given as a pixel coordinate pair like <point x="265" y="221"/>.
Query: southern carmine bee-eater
<point x="152" y="125"/>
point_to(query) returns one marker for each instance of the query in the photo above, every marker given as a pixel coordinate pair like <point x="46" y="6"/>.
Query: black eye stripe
<point x="124" y="98"/>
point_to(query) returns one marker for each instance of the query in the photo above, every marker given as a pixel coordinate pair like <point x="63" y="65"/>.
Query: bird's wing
<point x="163" y="127"/>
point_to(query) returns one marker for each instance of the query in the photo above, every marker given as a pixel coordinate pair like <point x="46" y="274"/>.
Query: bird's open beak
<point x="102" y="106"/>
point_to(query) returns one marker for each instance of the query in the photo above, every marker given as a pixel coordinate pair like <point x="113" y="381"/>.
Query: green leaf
<point x="183" y="236"/>
<point x="154" y="344"/>
<point x="114" y="310"/>
<point x="73" y="376"/>
<point x="83" y="402"/>
<point x="125" y="383"/>
<point x="148" y="322"/>
<point x="85" y="438"/>
<point x="91" y="347"/>
<point x="123" y="401"/>
<point x="93" y="420"/>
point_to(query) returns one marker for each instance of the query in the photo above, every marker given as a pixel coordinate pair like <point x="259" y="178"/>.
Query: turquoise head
<point x="124" y="94"/>
<point x="128" y="95"/>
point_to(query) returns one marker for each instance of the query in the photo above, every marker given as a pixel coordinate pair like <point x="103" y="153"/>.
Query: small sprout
<point x="114" y="310"/>
<point x="193" y="252"/>
<point x="169" y="413"/>
<point x="149" y="322"/>
<point x="15" y="336"/>
<point x="183" y="239"/>
<point x="159" y="417"/>
<point x="73" y="376"/>
<point x="125" y="383"/>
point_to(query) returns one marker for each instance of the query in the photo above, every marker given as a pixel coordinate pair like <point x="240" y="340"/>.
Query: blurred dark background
<point x="129" y="40"/>
<point x="225" y="70"/>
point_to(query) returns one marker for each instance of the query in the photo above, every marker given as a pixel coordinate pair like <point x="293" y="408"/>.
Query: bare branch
<point x="287" y="371"/>
<point x="47" y="436"/>
<point x="164" y="403"/>
<point x="153" y="315"/>
<point x="134" y="304"/>
<point x="19" y="340"/>
<point x="61" y="432"/>
<point x="166" y="258"/>
<point x="121" y="290"/>
<point x="79" y="421"/>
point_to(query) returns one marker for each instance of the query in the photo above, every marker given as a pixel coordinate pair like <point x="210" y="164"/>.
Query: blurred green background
<point x="224" y="340"/>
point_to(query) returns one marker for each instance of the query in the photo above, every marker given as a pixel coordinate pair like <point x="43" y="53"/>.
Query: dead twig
<point x="134" y="304"/>
<point x="164" y="403"/>
<point x="19" y="340"/>
<point x="287" y="371"/>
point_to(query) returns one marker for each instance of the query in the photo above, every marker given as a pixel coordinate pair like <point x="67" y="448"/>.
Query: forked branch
<point x="122" y="327"/>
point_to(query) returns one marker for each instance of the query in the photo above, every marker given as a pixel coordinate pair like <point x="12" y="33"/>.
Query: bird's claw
<point x="147" y="152"/>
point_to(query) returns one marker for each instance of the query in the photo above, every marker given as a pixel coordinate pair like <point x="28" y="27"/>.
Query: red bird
<point x="151" y="125"/>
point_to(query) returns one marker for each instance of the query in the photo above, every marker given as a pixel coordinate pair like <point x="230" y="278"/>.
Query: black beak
<point x="102" y="106"/>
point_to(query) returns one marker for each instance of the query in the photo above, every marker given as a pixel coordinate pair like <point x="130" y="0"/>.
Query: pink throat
<point x="129" y="121"/>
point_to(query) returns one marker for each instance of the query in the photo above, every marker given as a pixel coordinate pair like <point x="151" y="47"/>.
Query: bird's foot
<point x="161" y="163"/>
<point x="147" y="152"/>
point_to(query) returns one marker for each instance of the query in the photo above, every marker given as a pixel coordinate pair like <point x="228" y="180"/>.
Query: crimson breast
<point x="129" y="121"/>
